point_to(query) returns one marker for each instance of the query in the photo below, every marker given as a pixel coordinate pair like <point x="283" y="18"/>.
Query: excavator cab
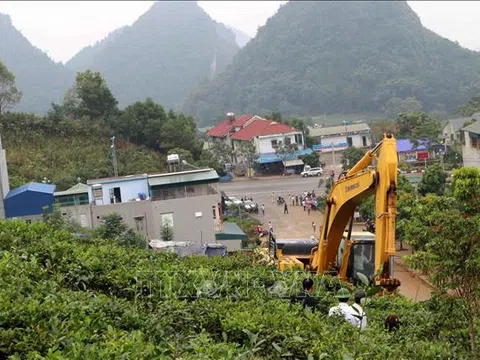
<point x="362" y="255"/>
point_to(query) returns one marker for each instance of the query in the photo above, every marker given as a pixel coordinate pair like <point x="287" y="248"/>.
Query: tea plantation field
<point x="68" y="298"/>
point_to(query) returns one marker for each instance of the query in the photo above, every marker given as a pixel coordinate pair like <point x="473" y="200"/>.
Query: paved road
<point x="281" y="187"/>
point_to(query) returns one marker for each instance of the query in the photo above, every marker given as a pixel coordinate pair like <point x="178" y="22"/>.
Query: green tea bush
<point x="68" y="298"/>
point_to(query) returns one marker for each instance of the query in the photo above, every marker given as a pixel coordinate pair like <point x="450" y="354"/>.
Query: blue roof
<point x="273" y="157"/>
<point x="405" y="145"/>
<point x="32" y="186"/>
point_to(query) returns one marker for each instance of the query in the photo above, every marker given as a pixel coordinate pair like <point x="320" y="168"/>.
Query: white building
<point x="471" y="144"/>
<point x="341" y="137"/>
<point x="262" y="133"/>
<point x="452" y="128"/>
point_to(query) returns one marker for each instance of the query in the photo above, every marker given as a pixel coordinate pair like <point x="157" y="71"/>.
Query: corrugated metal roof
<point x="339" y="129"/>
<point x="74" y="190"/>
<point x="182" y="177"/>
<point x="296" y="162"/>
<point x="32" y="186"/>
<point x="117" y="179"/>
<point x="473" y="128"/>
<point x="231" y="231"/>
<point x="224" y="127"/>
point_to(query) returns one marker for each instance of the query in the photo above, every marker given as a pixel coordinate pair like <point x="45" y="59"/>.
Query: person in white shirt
<point x="360" y="259"/>
<point x="358" y="312"/>
<point x="343" y="309"/>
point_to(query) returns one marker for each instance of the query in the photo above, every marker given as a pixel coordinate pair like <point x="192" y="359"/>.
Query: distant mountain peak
<point x="317" y="57"/>
<point x="5" y="19"/>
<point x="164" y="55"/>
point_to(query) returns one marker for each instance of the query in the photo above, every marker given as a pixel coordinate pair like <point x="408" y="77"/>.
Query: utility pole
<point x="114" y="157"/>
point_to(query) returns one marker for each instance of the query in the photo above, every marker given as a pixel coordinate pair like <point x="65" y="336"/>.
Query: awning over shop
<point x="296" y="162"/>
<point x="273" y="157"/>
<point x="231" y="231"/>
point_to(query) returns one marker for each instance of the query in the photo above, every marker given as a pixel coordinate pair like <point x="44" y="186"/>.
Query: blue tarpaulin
<point x="273" y="157"/>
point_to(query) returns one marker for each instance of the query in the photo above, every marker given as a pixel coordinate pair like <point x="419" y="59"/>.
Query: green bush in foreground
<point x="66" y="298"/>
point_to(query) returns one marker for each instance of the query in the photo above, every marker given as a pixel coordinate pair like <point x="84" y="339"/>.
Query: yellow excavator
<point x="338" y="253"/>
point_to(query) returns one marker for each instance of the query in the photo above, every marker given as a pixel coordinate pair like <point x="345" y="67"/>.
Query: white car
<point x="316" y="171"/>
<point x="233" y="201"/>
<point x="250" y="205"/>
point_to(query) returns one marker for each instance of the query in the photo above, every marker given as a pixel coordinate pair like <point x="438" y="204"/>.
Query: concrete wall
<point x="129" y="189"/>
<point x="80" y="214"/>
<point x="145" y="217"/>
<point x="232" y="245"/>
<point x="188" y="227"/>
<point x="140" y="210"/>
<point x="471" y="155"/>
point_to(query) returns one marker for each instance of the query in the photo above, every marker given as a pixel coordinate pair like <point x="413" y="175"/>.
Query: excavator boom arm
<point x="348" y="192"/>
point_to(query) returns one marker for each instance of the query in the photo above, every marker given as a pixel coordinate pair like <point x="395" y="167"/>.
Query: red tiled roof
<point x="223" y="128"/>
<point x="261" y="127"/>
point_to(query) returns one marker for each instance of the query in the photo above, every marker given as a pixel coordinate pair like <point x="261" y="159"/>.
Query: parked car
<point x="316" y="171"/>
<point x="232" y="201"/>
<point x="250" y="206"/>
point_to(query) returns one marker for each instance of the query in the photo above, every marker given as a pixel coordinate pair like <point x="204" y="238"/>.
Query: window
<point x="167" y="218"/>
<point x="452" y="137"/>
<point x="288" y="140"/>
<point x="28" y="221"/>
<point x="139" y="220"/>
<point x="349" y="141"/>
<point x="298" y="138"/>
<point x="274" y="143"/>
<point x="214" y="210"/>
<point x="364" y="141"/>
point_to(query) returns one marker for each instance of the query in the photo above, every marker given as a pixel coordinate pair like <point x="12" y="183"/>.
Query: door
<point x="349" y="141"/>
<point x="117" y="195"/>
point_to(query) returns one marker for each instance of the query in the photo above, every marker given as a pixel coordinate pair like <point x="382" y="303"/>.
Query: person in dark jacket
<point x="305" y="296"/>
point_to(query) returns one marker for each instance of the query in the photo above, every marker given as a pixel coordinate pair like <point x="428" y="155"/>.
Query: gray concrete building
<point x="188" y="200"/>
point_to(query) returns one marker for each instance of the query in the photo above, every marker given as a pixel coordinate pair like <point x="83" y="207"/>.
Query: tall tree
<point x="248" y="152"/>
<point x="350" y="157"/>
<point x="448" y="251"/>
<point x="141" y="123"/>
<point x="96" y="99"/>
<point x="284" y="150"/>
<point x="418" y="126"/>
<point x="9" y="94"/>
<point x="433" y="181"/>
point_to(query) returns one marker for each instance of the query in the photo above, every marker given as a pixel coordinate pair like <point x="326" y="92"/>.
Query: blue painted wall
<point x="27" y="202"/>
<point x="129" y="189"/>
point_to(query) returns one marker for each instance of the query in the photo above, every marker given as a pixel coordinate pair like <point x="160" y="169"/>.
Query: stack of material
<point x="185" y="248"/>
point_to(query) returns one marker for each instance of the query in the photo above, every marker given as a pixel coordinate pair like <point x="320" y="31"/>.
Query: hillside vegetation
<point x="70" y="298"/>
<point x="341" y="57"/>
<point x="62" y="152"/>
<point x="163" y="55"/>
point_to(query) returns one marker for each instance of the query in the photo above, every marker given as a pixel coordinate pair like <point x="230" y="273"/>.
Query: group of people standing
<point x="308" y="200"/>
<point x="353" y="314"/>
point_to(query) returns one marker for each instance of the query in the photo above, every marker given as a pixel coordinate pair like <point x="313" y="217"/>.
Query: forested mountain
<point x="85" y="58"/>
<point x="340" y="57"/>
<point x="240" y="36"/>
<point x="39" y="78"/>
<point x="163" y="55"/>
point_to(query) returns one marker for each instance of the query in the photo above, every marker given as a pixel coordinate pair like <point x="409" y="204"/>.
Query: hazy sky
<point x="62" y="28"/>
